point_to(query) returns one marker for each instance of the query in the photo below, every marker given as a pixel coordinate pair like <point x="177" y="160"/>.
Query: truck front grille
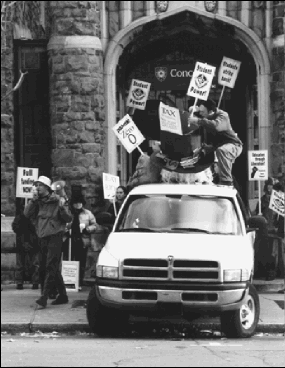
<point x="171" y="269"/>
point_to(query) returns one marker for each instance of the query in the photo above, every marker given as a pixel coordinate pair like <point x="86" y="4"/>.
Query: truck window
<point x="167" y="213"/>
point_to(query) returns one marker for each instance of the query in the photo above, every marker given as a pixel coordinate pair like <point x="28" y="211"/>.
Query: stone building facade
<point x="81" y="56"/>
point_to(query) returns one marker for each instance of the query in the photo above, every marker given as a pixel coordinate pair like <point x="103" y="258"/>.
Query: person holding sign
<point x="223" y="138"/>
<point x="121" y="194"/>
<point x="82" y="226"/>
<point x="50" y="214"/>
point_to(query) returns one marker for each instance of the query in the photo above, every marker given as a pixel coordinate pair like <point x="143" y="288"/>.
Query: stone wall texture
<point x="8" y="165"/>
<point x="278" y="89"/>
<point x="77" y="97"/>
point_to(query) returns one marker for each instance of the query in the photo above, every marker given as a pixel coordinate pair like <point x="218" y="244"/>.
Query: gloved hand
<point x="207" y="148"/>
<point x="27" y="247"/>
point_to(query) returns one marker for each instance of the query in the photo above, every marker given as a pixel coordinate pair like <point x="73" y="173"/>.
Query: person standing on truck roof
<point x="223" y="138"/>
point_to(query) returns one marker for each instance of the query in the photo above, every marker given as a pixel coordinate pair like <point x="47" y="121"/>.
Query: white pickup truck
<point x="185" y="248"/>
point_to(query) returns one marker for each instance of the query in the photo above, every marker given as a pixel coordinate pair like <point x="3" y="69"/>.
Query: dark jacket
<point x="25" y="232"/>
<point x="49" y="217"/>
<point x="219" y="126"/>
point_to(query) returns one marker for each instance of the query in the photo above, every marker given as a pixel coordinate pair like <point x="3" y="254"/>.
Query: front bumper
<point x="216" y="298"/>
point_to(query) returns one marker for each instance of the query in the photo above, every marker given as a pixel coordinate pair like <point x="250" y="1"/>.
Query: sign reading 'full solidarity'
<point x="25" y="180"/>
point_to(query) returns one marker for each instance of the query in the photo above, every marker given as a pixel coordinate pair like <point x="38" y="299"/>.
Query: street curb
<point x="14" y="327"/>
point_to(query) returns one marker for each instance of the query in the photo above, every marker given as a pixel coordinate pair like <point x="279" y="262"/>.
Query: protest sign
<point x="110" y="185"/>
<point x="258" y="165"/>
<point x="25" y="181"/>
<point x="228" y="72"/>
<point x="128" y="134"/>
<point x="277" y="203"/>
<point x="169" y="118"/>
<point x="70" y="275"/>
<point x="138" y="94"/>
<point x="201" y="81"/>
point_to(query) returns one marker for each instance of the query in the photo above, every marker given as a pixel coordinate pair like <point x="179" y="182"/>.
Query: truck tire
<point x="242" y="323"/>
<point x="102" y="320"/>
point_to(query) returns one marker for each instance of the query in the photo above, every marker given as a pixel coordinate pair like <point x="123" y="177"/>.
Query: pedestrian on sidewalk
<point x="83" y="224"/>
<point x="268" y="246"/>
<point x="223" y="139"/>
<point x="27" y="256"/>
<point x="50" y="214"/>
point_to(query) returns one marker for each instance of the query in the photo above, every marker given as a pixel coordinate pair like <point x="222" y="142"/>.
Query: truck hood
<point x="230" y="251"/>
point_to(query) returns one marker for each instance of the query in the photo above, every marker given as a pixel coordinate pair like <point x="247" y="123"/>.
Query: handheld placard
<point x="129" y="134"/>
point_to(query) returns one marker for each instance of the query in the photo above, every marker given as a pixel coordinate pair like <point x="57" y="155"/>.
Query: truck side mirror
<point x="258" y="223"/>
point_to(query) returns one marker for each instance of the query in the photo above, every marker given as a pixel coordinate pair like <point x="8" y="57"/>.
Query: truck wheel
<point x="242" y="323"/>
<point x="103" y="321"/>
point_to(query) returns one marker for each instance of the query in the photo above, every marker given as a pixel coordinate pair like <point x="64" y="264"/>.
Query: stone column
<point x="77" y="106"/>
<point x="8" y="164"/>
<point x="278" y="89"/>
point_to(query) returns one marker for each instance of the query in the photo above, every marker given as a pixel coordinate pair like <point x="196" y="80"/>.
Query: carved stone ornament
<point x="210" y="6"/>
<point x="161" y="6"/>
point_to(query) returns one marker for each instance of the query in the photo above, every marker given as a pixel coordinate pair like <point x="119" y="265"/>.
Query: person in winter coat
<point x="50" y="213"/>
<point x="224" y="140"/>
<point x="265" y="200"/>
<point x="121" y="194"/>
<point x="27" y="256"/>
<point x="83" y="224"/>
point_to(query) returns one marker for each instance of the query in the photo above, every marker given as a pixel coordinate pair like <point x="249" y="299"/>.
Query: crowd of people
<point x="44" y="224"/>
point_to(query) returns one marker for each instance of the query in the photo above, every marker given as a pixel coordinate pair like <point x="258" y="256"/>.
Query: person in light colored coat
<point x="81" y="228"/>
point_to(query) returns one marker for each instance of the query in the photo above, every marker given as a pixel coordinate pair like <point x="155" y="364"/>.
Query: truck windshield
<point x="180" y="213"/>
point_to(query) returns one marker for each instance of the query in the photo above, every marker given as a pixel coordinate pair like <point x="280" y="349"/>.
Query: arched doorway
<point x="192" y="37"/>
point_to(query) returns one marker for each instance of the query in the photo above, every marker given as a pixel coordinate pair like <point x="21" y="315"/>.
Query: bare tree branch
<point x="17" y="86"/>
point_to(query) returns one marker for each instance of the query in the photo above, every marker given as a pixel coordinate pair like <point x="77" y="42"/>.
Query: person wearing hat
<point x="265" y="200"/>
<point x="223" y="138"/>
<point x="83" y="224"/>
<point x="50" y="214"/>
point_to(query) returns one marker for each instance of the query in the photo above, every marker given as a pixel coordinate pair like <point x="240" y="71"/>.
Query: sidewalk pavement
<point x="18" y="313"/>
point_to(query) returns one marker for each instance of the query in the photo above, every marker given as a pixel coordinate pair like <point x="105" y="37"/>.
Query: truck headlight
<point x="107" y="272"/>
<point x="245" y="275"/>
<point x="232" y="275"/>
<point x="236" y="275"/>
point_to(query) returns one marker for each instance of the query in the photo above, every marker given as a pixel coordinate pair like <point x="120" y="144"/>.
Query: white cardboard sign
<point x="277" y="202"/>
<point x="70" y="275"/>
<point x="201" y="81"/>
<point x="228" y="72"/>
<point x="169" y="118"/>
<point x="128" y="133"/>
<point x="110" y="185"/>
<point x="138" y="94"/>
<point x="25" y="180"/>
<point x="258" y="165"/>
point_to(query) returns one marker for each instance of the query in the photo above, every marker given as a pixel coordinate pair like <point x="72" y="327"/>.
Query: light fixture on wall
<point x="210" y="6"/>
<point x="161" y="6"/>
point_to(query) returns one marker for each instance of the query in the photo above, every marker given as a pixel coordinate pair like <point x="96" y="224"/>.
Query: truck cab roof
<point x="186" y="189"/>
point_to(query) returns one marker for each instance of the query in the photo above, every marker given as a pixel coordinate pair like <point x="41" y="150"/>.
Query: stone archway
<point x="128" y="34"/>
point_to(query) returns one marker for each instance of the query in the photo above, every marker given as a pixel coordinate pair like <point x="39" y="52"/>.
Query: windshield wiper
<point x="139" y="229"/>
<point x="190" y="229"/>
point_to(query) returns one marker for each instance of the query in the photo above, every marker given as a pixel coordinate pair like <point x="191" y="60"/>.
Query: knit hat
<point x="77" y="198"/>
